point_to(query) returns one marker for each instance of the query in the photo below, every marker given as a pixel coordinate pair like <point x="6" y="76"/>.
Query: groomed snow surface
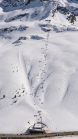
<point x="38" y="65"/>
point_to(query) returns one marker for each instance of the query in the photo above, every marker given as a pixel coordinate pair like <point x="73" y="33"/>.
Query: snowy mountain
<point x="38" y="64"/>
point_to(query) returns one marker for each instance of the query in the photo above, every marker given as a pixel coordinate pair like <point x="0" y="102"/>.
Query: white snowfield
<point x="38" y="64"/>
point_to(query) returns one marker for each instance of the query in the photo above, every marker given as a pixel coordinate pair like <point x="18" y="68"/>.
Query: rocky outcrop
<point x="9" y="5"/>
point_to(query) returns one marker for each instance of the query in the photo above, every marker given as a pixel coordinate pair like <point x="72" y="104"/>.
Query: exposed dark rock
<point x="46" y="29"/>
<point x="19" y="40"/>
<point x="15" y="101"/>
<point x="3" y="96"/>
<point x="16" y="17"/>
<point x="11" y="29"/>
<point x="45" y="25"/>
<point x="71" y="17"/>
<point x="36" y="37"/>
<point x="22" y="28"/>
<point x="15" y="96"/>
<point x="22" y="38"/>
<point x="29" y="2"/>
<point x="64" y="10"/>
<point x="9" y="5"/>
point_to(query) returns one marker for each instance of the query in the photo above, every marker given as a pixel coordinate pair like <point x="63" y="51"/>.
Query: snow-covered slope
<point x="38" y="64"/>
